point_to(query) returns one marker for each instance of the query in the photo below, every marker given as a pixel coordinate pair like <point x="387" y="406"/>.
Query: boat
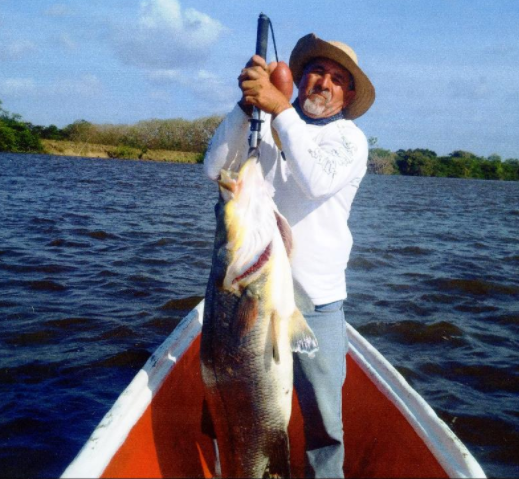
<point x="154" y="427"/>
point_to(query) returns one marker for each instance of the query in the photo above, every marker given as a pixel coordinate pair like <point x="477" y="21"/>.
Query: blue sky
<point x="446" y="71"/>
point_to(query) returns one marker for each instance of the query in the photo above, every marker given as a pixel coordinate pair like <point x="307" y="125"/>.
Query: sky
<point x="446" y="72"/>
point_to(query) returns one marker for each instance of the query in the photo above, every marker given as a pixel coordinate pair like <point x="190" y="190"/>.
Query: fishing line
<point x="273" y="39"/>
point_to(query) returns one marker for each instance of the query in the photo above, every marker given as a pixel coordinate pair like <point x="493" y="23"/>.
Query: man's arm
<point x="229" y="143"/>
<point x="320" y="169"/>
<point x="325" y="168"/>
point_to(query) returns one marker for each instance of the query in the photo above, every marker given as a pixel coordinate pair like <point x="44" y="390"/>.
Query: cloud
<point x="500" y="49"/>
<point x="17" y="87"/>
<point x="211" y="90"/>
<point x="17" y="50"/>
<point x="58" y="10"/>
<point x="470" y="89"/>
<point x="85" y="86"/>
<point x="65" y="41"/>
<point x="165" y="36"/>
<point x="210" y="86"/>
<point x="165" y="76"/>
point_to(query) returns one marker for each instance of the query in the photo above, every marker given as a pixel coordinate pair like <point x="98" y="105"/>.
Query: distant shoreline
<point x="91" y="150"/>
<point x="417" y="162"/>
<point x="186" y="141"/>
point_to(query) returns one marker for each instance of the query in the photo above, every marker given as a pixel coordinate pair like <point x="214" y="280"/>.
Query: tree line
<point x="175" y="134"/>
<point x="424" y="162"/>
<point x="193" y="136"/>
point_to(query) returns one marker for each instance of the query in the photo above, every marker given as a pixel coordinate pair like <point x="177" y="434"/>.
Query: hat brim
<point x="310" y="47"/>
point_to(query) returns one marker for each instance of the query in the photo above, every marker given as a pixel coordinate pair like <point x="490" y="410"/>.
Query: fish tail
<point x="279" y="457"/>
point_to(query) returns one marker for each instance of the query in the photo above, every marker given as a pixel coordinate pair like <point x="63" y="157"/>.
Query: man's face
<point x="325" y="88"/>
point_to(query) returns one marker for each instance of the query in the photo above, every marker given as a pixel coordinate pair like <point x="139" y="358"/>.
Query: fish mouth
<point x="233" y="181"/>
<point x="228" y="180"/>
<point x="260" y="262"/>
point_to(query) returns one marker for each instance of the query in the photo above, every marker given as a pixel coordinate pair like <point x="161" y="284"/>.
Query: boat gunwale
<point x="114" y="428"/>
<point x="106" y="439"/>
<point x="447" y="448"/>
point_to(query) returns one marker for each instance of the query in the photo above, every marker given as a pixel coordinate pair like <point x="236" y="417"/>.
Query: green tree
<point x="52" y="132"/>
<point x="461" y="164"/>
<point x="28" y="141"/>
<point x="510" y="170"/>
<point x="15" y="135"/>
<point x="80" y="131"/>
<point x="460" y="167"/>
<point x="7" y="139"/>
<point x="475" y="169"/>
<point x="373" y="142"/>
<point x="492" y="169"/>
<point x="417" y="162"/>
<point x="463" y="154"/>
<point x="381" y="162"/>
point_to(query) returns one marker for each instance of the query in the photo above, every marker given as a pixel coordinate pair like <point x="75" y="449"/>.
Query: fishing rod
<point x="280" y="77"/>
<point x="261" y="50"/>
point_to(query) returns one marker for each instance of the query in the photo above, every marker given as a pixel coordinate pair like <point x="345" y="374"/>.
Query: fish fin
<point x="301" y="298"/>
<point x="279" y="457"/>
<point x="302" y="338"/>
<point x="246" y="314"/>
<point x="274" y="329"/>
<point x="286" y="232"/>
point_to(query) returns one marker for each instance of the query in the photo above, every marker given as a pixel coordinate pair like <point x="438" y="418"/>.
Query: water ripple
<point x="100" y="260"/>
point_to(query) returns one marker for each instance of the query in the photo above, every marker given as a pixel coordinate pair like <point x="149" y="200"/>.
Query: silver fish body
<point x="251" y="327"/>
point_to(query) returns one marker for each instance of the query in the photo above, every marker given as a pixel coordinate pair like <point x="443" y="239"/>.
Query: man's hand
<point x="258" y="90"/>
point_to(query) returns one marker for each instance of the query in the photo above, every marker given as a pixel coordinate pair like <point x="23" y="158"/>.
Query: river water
<point x="100" y="259"/>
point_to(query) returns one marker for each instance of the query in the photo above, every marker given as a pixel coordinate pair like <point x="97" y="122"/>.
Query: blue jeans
<point x="318" y="382"/>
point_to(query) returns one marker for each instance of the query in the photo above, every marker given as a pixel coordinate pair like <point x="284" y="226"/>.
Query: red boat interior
<point x="168" y="441"/>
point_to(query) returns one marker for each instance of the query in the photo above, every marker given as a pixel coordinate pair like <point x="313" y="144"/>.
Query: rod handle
<point x="263" y="36"/>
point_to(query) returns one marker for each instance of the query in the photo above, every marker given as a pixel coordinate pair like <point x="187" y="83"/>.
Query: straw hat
<point x="311" y="46"/>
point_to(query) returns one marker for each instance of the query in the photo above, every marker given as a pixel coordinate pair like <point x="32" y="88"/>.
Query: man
<point x="315" y="158"/>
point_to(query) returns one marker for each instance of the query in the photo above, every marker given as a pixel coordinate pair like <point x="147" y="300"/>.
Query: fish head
<point x="241" y="185"/>
<point x="249" y="221"/>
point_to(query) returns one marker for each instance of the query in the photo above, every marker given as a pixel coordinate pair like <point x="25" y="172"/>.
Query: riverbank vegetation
<point x="92" y="150"/>
<point x="175" y="140"/>
<point x="185" y="141"/>
<point x="17" y="136"/>
<point x="458" y="164"/>
<point x="174" y="135"/>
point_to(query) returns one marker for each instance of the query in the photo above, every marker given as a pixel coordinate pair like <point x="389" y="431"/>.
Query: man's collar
<point x="316" y="121"/>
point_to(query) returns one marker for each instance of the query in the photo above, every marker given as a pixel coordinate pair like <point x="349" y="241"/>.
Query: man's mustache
<point x="324" y="93"/>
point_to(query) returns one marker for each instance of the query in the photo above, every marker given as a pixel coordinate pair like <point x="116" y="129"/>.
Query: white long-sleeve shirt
<point x="314" y="188"/>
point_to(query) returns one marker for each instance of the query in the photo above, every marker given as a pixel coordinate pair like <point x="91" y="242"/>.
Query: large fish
<point x="251" y="327"/>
